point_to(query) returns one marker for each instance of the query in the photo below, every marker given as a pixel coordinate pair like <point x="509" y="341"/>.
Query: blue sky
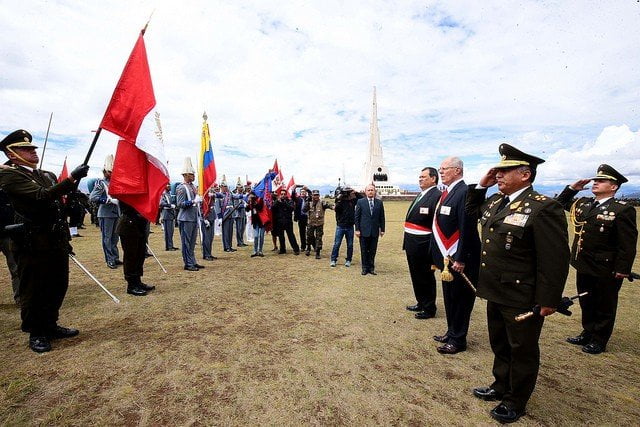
<point x="294" y="81"/>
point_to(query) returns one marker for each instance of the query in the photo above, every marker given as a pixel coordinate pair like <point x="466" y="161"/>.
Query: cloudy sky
<point x="294" y="81"/>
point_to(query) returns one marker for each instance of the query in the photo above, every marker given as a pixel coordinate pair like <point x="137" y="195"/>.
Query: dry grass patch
<point x="288" y="340"/>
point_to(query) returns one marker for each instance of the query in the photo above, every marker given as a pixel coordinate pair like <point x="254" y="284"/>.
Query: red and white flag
<point x="139" y="174"/>
<point x="64" y="174"/>
<point x="291" y="186"/>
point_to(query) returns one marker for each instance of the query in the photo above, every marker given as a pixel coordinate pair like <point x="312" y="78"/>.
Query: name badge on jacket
<point x="445" y="210"/>
<point x="424" y="211"/>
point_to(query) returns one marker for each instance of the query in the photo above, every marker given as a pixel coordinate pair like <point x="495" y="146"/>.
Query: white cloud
<point x="293" y="80"/>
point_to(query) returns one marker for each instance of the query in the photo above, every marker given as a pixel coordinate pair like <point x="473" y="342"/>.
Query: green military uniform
<point x="42" y="249"/>
<point x="132" y="229"/>
<point x="524" y="262"/>
<point x="604" y="244"/>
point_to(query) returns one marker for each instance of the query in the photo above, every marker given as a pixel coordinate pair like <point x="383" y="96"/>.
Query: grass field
<point x="287" y="340"/>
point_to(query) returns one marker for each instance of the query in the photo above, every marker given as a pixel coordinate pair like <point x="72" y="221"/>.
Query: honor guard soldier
<point x="168" y="218"/>
<point x="42" y="247"/>
<point x="524" y="263"/>
<point x="239" y="216"/>
<point x="417" y="244"/>
<point x="209" y="217"/>
<point x="188" y="200"/>
<point x="108" y="214"/>
<point x="604" y="247"/>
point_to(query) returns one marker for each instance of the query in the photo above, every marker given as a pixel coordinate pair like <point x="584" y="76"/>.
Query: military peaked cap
<point x="512" y="157"/>
<point x="607" y="172"/>
<point x="17" y="139"/>
<point x="315" y="192"/>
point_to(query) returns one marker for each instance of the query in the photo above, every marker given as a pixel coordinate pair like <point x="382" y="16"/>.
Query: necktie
<point x="503" y="203"/>
<point x="371" y="205"/>
<point x="415" y="201"/>
<point x="444" y="195"/>
<point x="594" y="206"/>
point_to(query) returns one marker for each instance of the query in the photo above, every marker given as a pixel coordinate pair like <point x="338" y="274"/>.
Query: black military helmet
<point x="17" y="139"/>
<point x="512" y="157"/>
<point x="607" y="172"/>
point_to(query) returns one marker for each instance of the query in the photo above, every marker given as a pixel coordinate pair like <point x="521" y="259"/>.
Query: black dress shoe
<point x="112" y="265"/>
<point x="62" y="332"/>
<point x="233" y="250"/>
<point x="146" y="287"/>
<point x="209" y="258"/>
<point x="373" y="273"/>
<point x="441" y="338"/>
<point x="190" y="268"/>
<point x="307" y="252"/>
<point x="296" y="252"/>
<point x="504" y="414"/>
<point x="416" y="307"/>
<point x="39" y="344"/>
<point x="424" y="315"/>
<point x="260" y="254"/>
<point x="136" y="291"/>
<point x="449" y="348"/>
<point x="198" y="266"/>
<point x="364" y="273"/>
<point x="593" y="348"/>
<point x="487" y="393"/>
<point x="118" y="262"/>
<point x="253" y="255"/>
<point x="282" y="252"/>
<point x="579" y="340"/>
<point x="174" y="249"/>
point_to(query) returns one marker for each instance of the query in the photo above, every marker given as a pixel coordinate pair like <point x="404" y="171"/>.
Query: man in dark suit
<point x="455" y="250"/>
<point x="524" y="263"/>
<point x="417" y="244"/>
<point x="369" y="224"/>
<point x="603" y="251"/>
<point x="300" y="216"/>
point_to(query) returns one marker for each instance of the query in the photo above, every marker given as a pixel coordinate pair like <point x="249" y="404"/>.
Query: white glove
<point x="115" y="202"/>
<point x="197" y="199"/>
<point x="173" y="206"/>
<point x="111" y="201"/>
<point x="207" y="223"/>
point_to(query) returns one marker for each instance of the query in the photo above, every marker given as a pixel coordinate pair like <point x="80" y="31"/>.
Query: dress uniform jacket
<point x="525" y="250"/>
<point x="42" y="250"/>
<point x="608" y="241"/>
<point x="100" y="195"/>
<point x="167" y="213"/>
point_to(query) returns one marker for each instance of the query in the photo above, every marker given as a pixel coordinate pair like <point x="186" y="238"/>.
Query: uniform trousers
<point x="207" y="238"/>
<point x="188" y="235"/>
<point x="6" y="249"/>
<point x="314" y="236"/>
<point x="241" y="223"/>
<point x="168" y="225"/>
<point x="599" y="306"/>
<point x="109" y="239"/>
<point x="516" y="353"/>
<point x="227" y="233"/>
<point x="418" y="251"/>
<point x="44" y="279"/>
<point x="133" y="255"/>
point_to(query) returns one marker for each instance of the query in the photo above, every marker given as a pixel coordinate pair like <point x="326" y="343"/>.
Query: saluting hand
<point x="579" y="184"/>
<point x="489" y="179"/>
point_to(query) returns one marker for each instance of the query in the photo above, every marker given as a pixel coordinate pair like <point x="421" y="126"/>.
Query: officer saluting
<point x="42" y="248"/>
<point x="603" y="251"/>
<point x="524" y="262"/>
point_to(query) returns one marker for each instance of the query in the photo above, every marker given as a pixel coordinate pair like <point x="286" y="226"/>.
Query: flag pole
<point x="45" y="141"/>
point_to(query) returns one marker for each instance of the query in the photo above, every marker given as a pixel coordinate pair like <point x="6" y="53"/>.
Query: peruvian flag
<point x="277" y="181"/>
<point x="65" y="173"/>
<point x="139" y="174"/>
<point x="291" y="186"/>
